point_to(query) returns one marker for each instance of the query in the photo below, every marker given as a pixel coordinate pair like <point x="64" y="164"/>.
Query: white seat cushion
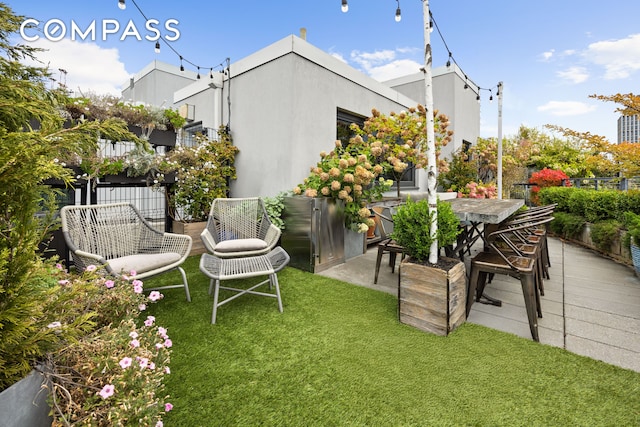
<point x="241" y="245"/>
<point x="142" y="263"/>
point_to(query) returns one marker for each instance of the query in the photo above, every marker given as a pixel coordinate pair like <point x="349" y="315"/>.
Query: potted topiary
<point x="431" y="296"/>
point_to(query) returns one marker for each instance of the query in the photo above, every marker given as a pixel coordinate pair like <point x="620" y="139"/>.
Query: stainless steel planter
<point x="314" y="233"/>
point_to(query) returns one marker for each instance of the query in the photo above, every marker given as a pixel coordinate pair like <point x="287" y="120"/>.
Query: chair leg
<point x="540" y="274"/>
<point x="392" y="261"/>
<point x="273" y="280"/>
<point x="528" y="290"/>
<point x="186" y="284"/>
<point x="378" y="261"/>
<point x="482" y="283"/>
<point x="471" y="287"/>
<point x="537" y="281"/>
<point x="215" y="301"/>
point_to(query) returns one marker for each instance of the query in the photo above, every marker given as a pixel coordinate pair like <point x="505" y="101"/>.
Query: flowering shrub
<point x="346" y="174"/>
<point x="202" y="175"/>
<point x="474" y="190"/>
<point x="386" y="146"/>
<point x="397" y="142"/>
<point x="112" y="374"/>
<point x="547" y="178"/>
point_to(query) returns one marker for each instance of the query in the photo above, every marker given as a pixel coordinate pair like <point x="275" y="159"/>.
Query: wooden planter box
<point x="433" y="299"/>
<point x="192" y="229"/>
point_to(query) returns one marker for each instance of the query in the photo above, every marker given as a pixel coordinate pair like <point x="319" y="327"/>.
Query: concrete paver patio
<point x="591" y="304"/>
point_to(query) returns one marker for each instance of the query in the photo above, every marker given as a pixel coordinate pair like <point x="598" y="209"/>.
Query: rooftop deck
<point x="591" y="304"/>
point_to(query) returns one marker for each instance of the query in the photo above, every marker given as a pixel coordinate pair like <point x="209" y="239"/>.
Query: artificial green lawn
<point x="337" y="355"/>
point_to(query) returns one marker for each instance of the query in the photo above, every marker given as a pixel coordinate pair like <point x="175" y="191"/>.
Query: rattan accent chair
<point x="118" y="239"/>
<point x="239" y="227"/>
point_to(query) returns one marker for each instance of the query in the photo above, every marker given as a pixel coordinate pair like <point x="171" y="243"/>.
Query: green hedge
<point x="607" y="211"/>
<point x="593" y="205"/>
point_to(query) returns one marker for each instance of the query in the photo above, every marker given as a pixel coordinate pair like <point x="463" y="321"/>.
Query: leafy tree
<point x="28" y="157"/>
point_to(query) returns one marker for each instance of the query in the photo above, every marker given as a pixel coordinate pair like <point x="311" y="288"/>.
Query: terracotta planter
<point x="192" y="229"/>
<point x="433" y="298"/>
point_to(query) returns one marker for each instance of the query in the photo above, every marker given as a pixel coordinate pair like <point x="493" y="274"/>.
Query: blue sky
<point x="550" y="54"/>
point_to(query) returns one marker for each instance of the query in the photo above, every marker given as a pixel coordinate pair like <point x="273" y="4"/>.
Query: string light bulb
<point x="345" y="6"/>
<point x="157" y="49"/>
<point x="198" y="76"/>
<point x="449" y="60"/>
<point x="181" y="66"/>
<point x="398" y="13"/>
<point x="490" y="96"/>
<point x="211" y="73"/>
<point x="122" y="5"/>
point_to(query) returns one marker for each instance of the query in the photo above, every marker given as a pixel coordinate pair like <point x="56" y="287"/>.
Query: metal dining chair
<point x="387" y="244"/>
<point x="512" y="262"/>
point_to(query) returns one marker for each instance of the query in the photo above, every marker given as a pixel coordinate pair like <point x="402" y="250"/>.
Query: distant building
<point x="629" y="129"/>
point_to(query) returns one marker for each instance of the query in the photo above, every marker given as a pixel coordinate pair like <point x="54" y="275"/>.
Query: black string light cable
<point x="432" y="24"/>
<point x="451" y="59"/>
<point x="123" y="5"/>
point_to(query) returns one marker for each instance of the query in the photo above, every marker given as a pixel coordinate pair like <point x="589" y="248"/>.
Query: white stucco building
<point x="284" y="104"/>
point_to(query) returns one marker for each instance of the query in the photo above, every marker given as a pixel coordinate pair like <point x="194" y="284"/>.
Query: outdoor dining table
<point x="477" y="216"/>
<point x="474" y="213"/>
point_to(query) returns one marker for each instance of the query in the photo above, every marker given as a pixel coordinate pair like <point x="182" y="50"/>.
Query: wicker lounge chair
<point x="239" y="227"/>
<point x="116" y="238"/>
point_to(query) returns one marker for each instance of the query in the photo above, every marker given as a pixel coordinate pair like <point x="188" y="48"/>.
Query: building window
<point x="344" y="133"/>
<point x="343" y="124"/>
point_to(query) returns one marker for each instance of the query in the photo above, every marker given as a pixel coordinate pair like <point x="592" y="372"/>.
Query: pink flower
<point x="109" y="284"/>
<point x="162" y="332"/>
<point x="135" y="343"/>
<point x="133" y="334"/>
<point x="168" y="343"/>
<point x="152" y="366"/>
<point x="91" y="267"/>
<point x="144" y="362"/>
<point x="155" y="296"/>
<point x="159" y="345"/>
<point x="167" y="407"/>
<point x="63" y="282"/>
<point x="137" y="289"/>
<point x="59" y="266"/>
<point x="137" y="282"/>
<point x="132" y="273"/>
<point x="159" y="424"/>
<point x="125" y="362"/>
<point x="142" y="307"/>
<point x="107" y="391"/>
<point x="167" y="370"/>
<point x="149" y="321"/>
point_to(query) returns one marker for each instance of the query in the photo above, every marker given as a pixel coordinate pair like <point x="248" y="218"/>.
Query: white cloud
<point x="368" y="60"/>
<point x="339" y="56"/>
<point x="546" y="56"/>
<point x="399" y="68"/>
<point x="574" y="74"/>
<point x="620" y="58"/>
<point x="387" y="64"/>
<point x="566" y="108"/>
<point x="89" y="67"/>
